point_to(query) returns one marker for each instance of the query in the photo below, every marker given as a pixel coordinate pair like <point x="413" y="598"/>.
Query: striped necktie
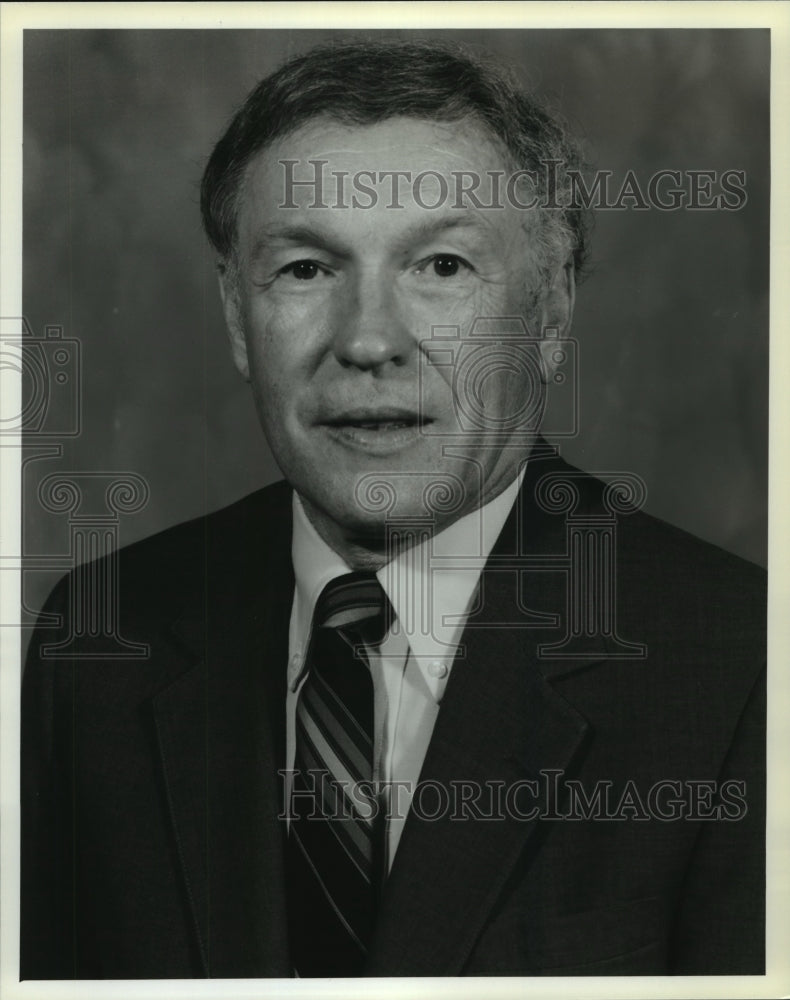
<point x="335" y="841"/>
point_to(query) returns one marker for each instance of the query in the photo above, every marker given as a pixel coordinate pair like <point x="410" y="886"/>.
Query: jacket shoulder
<point x="259" y="518"/>
<point x="662" y="554"/>
<point x="183" y="566"/>
<point x="693" y="602"/>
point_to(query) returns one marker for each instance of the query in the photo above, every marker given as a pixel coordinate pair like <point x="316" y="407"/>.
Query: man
<point x="430" y="708"/>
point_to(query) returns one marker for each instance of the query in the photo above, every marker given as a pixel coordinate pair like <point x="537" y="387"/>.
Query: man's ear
<point x="556" y="312"/>
<point x="228" y="290"/>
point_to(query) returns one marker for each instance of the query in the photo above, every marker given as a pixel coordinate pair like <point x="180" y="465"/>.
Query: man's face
<point x="331" y="308"/>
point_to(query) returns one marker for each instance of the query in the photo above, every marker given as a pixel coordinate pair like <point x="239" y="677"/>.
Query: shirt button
<point x="296" y="661"/>
<point x="437" y="668"/>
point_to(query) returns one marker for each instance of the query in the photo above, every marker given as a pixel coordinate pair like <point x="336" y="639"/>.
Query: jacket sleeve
<point x="720" y="928"/>
<point x="47" y="889"/>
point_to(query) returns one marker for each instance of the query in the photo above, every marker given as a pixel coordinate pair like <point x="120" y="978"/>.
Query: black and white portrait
<point x="391" y="416"/>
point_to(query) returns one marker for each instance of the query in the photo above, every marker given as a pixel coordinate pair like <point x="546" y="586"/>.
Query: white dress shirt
<point x="413" y="663"/>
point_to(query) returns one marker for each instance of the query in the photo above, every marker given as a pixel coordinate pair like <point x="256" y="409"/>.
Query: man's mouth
<point x="380" y="425"/>
<point x="377" y="431"/>
<point x="378" y="419"/>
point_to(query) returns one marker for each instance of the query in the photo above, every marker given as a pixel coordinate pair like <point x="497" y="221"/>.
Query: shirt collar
<point x="431" y="604"/>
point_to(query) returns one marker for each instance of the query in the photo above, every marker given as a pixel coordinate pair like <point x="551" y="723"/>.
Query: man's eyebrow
<point x="297" y="235"/>
<point x="309" y="236"/>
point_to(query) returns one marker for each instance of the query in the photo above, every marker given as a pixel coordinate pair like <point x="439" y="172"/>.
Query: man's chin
<point x="379" y="517"/>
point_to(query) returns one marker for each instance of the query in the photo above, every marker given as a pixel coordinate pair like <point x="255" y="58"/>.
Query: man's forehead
<point x="396" y="143"/>
<point x="410" y="176"/>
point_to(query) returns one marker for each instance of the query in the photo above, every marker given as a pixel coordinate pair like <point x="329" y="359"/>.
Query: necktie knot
<point x="354" y="605"/>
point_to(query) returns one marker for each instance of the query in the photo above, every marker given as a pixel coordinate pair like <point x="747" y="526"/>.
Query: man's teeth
<point x="378" y="425"/>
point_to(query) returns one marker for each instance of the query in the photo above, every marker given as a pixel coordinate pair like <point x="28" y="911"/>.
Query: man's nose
<point x="371" y="329"/>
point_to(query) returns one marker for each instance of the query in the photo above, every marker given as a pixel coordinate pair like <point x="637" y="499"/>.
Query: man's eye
<point x="445" y="265"/>
<point x="303" y="270"/>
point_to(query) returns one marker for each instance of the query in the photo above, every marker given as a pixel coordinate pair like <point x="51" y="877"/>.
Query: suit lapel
<point x="500" y="723"/>
<point x="220" y="728"/>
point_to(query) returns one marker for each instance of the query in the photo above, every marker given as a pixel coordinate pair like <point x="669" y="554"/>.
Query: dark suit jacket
<point x="151" y="840"/>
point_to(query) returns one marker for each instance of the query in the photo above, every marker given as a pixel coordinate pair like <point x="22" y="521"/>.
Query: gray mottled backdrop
<point x="673" y="322"/>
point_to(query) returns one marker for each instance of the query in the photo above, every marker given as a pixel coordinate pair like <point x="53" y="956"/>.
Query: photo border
<point x="14" y="19"/>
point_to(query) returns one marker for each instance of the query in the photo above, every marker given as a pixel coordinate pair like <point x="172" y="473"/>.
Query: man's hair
<point x="362" y="83"/>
